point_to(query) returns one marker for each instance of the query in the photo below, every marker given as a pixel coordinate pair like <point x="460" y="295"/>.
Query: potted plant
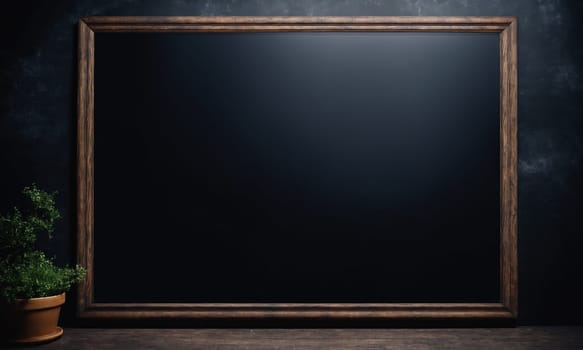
<point x="32" y="287"/>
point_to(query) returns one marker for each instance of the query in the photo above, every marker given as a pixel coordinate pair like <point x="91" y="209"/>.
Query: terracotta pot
<point x="31" y="321"/>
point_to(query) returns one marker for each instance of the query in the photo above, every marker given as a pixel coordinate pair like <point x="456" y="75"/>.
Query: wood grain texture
<point x="556" y="338"/>
<point x="294" y="28"/>
<point x="322" y="311"/>
<point x="301" y="20"/>
<point x="505" y="310"/>
<point x="508" y="168"/>
<point x="286" y="24"/>
<point x="85" y="162"/>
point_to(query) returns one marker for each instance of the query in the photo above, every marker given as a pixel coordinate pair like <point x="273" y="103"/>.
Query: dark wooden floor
<point x="555" y="338"/>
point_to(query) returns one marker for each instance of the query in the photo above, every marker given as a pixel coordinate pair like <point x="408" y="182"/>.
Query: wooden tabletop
<point x="555" y="338"/>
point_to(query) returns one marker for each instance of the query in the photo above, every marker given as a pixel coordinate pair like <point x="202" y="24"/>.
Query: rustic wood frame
<point x="506" y="309"/>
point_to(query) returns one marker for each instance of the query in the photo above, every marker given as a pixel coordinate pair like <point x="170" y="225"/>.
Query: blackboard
<point x="269" y="165"/>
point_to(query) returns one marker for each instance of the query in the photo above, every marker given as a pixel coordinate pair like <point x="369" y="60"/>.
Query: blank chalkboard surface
<point x="296" y="167"/>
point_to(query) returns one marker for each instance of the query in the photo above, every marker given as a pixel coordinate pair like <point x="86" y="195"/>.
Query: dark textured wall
<point x="37" y="118"/>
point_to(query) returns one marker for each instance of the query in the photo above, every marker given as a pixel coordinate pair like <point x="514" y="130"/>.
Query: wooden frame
<point x="506" y="309"/>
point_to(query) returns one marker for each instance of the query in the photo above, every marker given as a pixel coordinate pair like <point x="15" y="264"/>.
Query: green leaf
<point x="24" y="271"/>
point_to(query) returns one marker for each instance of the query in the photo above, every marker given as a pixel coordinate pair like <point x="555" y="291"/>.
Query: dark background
<point x="297" y="167"/>
<point x="38" y="98"/>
